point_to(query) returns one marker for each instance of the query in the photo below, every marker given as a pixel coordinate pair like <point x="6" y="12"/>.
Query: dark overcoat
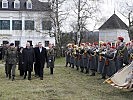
<point x="28" y="57"/>
<point x="41" y="57"/>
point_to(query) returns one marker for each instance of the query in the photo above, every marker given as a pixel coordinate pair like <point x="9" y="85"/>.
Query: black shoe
<point x="13" y="78"/>
<point x="86" y="72"/>
<point x="29" y="78"/>
<point x="103" y="77"/>
<point x="6" y="75"/>
<point x="24" y="77"/>
<point x="81" y="71"/>
<point x="9" y="77"/>
<point x="77" y="68"/>
<point x="41" y="78"/>
<point x="93" y="74"/>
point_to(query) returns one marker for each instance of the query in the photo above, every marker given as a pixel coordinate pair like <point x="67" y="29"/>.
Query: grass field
<point x="65" y="84"/>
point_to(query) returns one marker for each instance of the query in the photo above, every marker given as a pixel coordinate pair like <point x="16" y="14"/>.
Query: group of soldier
<point x="27" y="59"/>
<point x="102" y="58"/>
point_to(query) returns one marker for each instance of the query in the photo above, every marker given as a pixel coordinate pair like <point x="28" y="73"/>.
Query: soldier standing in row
<point x="11" y="56"/>
<point x="122" y="54"/>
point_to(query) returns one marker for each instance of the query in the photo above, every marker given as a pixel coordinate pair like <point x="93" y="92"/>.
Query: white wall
<point x="24" y="35"/>
<point x="111" y="35"/>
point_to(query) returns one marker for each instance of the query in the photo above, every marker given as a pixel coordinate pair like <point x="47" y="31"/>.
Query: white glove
<point x="104" y="53"/>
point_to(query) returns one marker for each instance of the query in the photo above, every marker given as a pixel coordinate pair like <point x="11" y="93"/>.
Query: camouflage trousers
<point x="11" y="69"/>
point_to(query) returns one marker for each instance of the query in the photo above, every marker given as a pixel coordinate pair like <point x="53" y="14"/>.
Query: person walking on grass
<point x="11" y="57"/>
<point x="51" y="58"/>
<point x="28" y="58"/>
<point x="41" y="58"/>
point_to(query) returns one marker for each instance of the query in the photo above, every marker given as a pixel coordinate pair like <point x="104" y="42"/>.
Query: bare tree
<point x="126" y="9"/>
<point x="57" y="16"/>
<point x="84" y="9"/>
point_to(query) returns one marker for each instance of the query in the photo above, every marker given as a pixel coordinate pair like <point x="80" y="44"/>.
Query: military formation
<point x="102" y="58"/>
<point x="27" y="59"/>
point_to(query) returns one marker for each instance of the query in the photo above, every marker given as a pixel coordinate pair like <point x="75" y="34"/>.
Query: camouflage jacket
<point x="11" y="56"/>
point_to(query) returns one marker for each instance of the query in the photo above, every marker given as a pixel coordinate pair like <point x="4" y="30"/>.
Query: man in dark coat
<point x="41" y="58"/>
<point x="20" y="65"/>
<point x="28" y="60"/>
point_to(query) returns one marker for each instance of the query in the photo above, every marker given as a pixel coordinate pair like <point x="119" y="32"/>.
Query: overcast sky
<point x="107" y="8"/>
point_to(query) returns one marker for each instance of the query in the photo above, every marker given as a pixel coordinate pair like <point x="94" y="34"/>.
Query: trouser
<point x="21" y="72"/>
<point x="51" y="70"/>
<point x="29" y="74"/>
<point x="36" y="69"/>
<point x="11" y="69"/>
<point x="40" y="67"/>
<point x="6" y="69"/>
<point x="104" y="71"/>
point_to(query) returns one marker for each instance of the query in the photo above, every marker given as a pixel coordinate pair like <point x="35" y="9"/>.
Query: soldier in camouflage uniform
<point x="11" y="56"/>
<point x="4" y="50"/>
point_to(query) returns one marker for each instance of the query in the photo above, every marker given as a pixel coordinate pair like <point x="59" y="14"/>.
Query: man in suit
<point x="41" y="58"/>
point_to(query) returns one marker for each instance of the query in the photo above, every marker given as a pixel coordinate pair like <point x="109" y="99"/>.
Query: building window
<point x="46" y="43"/>
<point x="16" y="25"/>
<point x="4" y="24"/>
<point x="29" y="25"/>
<point x="4" y="4"/>
<point x="17" y="43"/>
<point x="17" y="4"/>
<point x="46" y="25"/>
<point x="29" y="4"/>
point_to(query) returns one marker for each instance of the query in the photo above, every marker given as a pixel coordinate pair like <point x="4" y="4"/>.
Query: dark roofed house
<point x="25" y="20"/>
<point x="113" y="28"/>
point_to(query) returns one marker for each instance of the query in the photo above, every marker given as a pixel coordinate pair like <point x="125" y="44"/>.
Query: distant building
<point x="113" y="28"/>
<point x="25" y="20"/>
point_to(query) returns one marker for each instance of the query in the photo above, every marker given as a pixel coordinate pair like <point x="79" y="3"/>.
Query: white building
<point x="25" y="20"/>
<point x="113" y="28"/>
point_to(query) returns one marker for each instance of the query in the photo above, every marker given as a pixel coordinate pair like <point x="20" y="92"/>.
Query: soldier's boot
<point x="51" y="71"/>
<point x="66" y="64"/>
<point x="82" y="70"/>
<point x="72" y="65"/>
<point x="6" y="75"/>
<point x="77" y="67"/>
<point x="103" y="77"/>
<point x="13" y="77"/>
<point x="9" y="77"/>
<point x="92" y="74"/>
<point x="86" y="71"/>
<point x="24" y="76"/>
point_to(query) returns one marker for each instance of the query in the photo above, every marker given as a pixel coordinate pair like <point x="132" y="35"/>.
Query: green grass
<point x="65" y="84"/>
